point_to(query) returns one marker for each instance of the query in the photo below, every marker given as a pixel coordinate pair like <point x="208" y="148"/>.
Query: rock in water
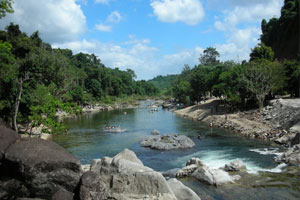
<point x="236" y="165"/>
<point x="181" y="191"/>
<point x="214" y="176"/>
<point x="43" y="166"/>
<point x="155" y="132"/>
<point x="168" y="142"/>
<point x="125" y="177"/>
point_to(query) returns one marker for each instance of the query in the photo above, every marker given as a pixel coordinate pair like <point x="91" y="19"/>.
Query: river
<point x="87" y="140"/>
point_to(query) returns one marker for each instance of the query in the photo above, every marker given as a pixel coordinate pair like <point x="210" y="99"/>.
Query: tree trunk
<point x="18" y="99"/>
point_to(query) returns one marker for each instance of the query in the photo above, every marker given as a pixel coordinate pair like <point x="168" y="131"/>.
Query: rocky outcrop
<point x="235" y="166"/>
<point x="39" y="169"/>
<point x="291" y="156"/>
<point x="36" y="167"/>
<point x="125" y="177"/>
<point x="283" y="113"/>
<point x="168" y="142"/>
<point x="181" y="191"/>
<point x="194" y="167"/>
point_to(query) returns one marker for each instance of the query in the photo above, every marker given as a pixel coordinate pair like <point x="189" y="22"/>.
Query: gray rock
<point x="295" y="140"/>
<point x="91" y="187"/>
<point x="155" y="132"/>
<point x="168" y="142"/>
<point x="195" y="161"/>
<point x="291" y="156"/>
<point x="85" y="168"/>
<point x="7" y="137"/>
<point x="236" y="165"/>
<point x="95" y="165"/>
<point x="125" y="177"/>
<point x="170" y="173"/>
<point x="43" y="166"/>
<point x="181" y="191"/>
<point x="62" y="194"/>
<point x="214" y="176"/>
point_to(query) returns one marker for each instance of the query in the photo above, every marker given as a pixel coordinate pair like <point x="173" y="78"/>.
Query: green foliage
<point x="209" y="56"/>
<point x="282" y="34"/>
<point x="261" y="51"/>
<point x="55" y="78"/>
<point x="5" y="7"/>
<point x="263" y="77"/>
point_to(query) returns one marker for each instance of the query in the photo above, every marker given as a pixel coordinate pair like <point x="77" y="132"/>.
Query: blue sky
<point x="152" y="37"/>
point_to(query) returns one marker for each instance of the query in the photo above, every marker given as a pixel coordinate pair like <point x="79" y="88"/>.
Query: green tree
<point x="261" y="51"/>
<point x="209" y="56"/>
<point x="263" y="77"/>
<point x="5" y="7"/>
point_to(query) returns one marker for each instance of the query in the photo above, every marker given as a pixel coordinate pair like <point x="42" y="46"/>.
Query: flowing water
<point x="88" y="140"/>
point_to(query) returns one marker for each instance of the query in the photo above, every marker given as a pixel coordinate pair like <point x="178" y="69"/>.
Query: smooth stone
<point x="181" y="191"/>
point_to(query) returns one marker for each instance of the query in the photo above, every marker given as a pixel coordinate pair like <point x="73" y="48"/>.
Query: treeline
<point x="36" y="79"/>
<point x="248" y="84"/>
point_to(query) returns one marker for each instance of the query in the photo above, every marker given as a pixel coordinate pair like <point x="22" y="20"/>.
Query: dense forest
<point x="274" y="67"/>
<point x="36" y="79"/>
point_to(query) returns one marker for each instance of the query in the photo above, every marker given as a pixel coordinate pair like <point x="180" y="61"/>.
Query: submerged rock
<point x="168" y="142"/>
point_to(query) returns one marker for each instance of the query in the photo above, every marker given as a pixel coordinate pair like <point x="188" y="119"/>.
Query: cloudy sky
<point x="152" y="37"/>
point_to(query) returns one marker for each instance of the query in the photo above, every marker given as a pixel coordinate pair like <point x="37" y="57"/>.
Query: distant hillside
<point x="282" y="34"/>
<point x="164" y="82"/>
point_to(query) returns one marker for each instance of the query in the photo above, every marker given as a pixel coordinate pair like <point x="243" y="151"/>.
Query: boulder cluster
<point x="32" y="168"/>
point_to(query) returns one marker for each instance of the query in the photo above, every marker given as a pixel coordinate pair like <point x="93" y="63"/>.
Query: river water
<point x="87" y="140"/>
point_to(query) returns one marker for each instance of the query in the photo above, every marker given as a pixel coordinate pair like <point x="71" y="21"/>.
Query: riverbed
<point x="88" y="140"/>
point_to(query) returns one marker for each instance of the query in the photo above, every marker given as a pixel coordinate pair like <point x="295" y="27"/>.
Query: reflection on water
<point x="87" y="140"/>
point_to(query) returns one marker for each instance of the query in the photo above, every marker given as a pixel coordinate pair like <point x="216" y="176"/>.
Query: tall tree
<point x="263" y="77"/>
<point x="209" y="56"/>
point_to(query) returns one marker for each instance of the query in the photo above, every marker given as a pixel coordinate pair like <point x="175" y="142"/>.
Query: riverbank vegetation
<point x="271" y="70"/>
<point x="36" y="80"/>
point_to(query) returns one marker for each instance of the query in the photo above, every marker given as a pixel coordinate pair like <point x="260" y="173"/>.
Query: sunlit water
<point x="87" y="140"/>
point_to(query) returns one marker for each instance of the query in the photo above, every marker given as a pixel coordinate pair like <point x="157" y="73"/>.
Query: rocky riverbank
<point x="279" y="121"/>
<point x="32" y="168"/>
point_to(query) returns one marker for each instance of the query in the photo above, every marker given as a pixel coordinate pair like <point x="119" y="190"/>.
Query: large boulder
<point x="181" y="191"/>
<point x="125" y="177"/>
<point x="214" y="176"/>
<point x="91" y="187"/>
<point x="7" y="137"/>
<point x="168" y="142"/>
<point x="42" y="166"/>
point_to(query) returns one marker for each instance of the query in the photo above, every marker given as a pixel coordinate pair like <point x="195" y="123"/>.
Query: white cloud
<point x="187" y="11"/>
<point x="136" y="54"/>
<point x="102" y="1"/>
<point x="249" y="13"/>
<point x="56" y="20"/>
<point x="114" y="17"/>
<point x="103" y="28"/>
